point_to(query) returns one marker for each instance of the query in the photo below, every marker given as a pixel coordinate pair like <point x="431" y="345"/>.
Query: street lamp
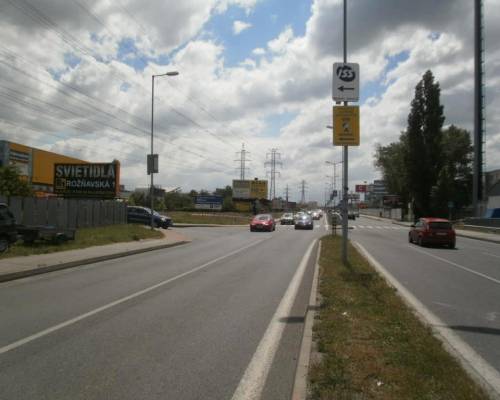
<point x="152" y="163"/>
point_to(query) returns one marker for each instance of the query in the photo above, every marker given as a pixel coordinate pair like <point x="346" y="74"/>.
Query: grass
<point x="371" y="345"/>
<point x="86" y="237"/>
<point x="187" y="217"/>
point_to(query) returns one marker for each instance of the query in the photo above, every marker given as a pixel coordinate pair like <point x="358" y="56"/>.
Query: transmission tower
<point x="242" y="160"/>
<point x="287" y="192"/>
<point x="274" y="159"/>
<point x="303" y="190"/>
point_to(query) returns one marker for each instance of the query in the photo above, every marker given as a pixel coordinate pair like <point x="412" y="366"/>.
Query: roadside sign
<point x="346" y="126"/>
<point x="360" y="188"/>
<point x="208" y="202"/>
<point x="345" y="82"/>
<point x="152" y="161"/>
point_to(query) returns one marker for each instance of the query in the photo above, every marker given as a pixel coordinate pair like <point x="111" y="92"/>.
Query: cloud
<point x="240" y="26"/>
<point x="259" y="51"/>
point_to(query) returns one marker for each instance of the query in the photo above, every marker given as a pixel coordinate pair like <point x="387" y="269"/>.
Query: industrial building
<point x="34" y="165"/>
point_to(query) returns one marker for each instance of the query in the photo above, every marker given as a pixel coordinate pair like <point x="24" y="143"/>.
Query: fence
<point x="66" y="213"/>
<point x="392" y="213"/>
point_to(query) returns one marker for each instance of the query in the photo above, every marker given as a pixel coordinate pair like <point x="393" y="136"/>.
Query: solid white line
<point x="254" y="378"/>
<point x="81" y="317"/>
<point x="457" y="265"/>
<point x="483" y="372"/>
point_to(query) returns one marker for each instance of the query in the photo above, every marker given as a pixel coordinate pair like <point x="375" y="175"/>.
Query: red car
<point x="432" y="231"/>
<point x="263" y="222"/>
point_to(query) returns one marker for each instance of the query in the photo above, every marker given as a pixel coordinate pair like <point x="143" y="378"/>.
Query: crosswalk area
<point x="380" y="227"/>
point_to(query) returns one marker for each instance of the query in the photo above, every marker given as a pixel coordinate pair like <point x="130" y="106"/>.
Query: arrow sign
<point x="345" y="74"/>
<point x="342" y="88"/>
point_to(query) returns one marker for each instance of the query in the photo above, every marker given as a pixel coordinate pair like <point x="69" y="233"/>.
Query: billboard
<point x="98" y="181"/>
<point x="360" y="188"/>
<point x="208" y="202"/>
<point x="249" y="189"/>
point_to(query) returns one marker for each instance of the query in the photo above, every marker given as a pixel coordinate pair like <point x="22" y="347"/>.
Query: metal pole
<point x="478" y="109"/>
<point x="151" y="169"/>
<point x="345" y="166"/>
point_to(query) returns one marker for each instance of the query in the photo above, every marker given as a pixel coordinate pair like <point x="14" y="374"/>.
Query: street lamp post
<point x="151" y="164"/>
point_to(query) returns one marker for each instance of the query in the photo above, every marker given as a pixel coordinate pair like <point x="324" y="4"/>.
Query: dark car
<point x="304" y="221"/>
<point x="142" y="215"/>
<point x="8" y="230"/>
<point x="263" y="222"/>
<point x="432" y="231"/>
<point x="287" y="219"/>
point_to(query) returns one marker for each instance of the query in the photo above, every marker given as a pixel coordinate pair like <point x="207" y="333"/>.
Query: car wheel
<point x="410" y="240"/>
<point x="251" y="229"/>
<point x="452" y="245"/>
<point x="4" y="245"/>
<point x="420" y="241"/>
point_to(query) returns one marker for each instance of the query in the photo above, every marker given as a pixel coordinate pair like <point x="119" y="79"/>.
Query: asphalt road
<point x="461" y="286"/>
<point x="179" y="323"/>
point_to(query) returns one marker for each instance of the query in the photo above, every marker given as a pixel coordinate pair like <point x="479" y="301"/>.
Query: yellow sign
<point x="346" y="126"/>
<point x="242" y="206"/>
<point x="258" y="189"/>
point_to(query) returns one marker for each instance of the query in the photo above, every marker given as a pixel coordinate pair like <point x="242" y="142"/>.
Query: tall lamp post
<point x="152" y="160"/>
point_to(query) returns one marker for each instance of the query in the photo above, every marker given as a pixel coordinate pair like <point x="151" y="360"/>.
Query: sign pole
<point x="345" y="164"/>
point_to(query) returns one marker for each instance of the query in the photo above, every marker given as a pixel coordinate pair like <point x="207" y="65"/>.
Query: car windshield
<point x="440" y="225"/>
<point x="263" y="217"/>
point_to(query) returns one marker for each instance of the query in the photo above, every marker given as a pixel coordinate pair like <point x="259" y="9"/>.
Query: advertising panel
<point x="241" y="189"/>
<point x="242" y="206"/>
<point x="258" y="189"/>
<point x="208" y="202"/>
<point x="100" y="180"/>
<point x="360" y="188"/>
<point x="346" y="126"/>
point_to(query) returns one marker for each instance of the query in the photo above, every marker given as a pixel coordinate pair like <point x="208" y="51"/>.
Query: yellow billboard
<point x="249" y="189"/>
<point x="258" y="189"/>
<point x="346" y="126"/>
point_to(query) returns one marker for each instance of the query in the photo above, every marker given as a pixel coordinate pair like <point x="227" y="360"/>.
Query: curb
<point x="300" y="383"/>
<point x="477" y="368"/>
<point x="207" y="226"/>
<point x="56" y="267"/>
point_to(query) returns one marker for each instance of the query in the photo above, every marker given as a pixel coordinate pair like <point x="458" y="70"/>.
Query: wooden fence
<point x="66" y="213"/>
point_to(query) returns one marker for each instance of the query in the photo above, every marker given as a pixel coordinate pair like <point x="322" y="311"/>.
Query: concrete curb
<point x="56" y="267"/>
<point x="300" y="383"/>
<point x="477" y="368"/>
<point x="208" y="226"/>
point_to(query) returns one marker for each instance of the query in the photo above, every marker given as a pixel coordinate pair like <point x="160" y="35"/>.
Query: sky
<point x="75" y="78"/>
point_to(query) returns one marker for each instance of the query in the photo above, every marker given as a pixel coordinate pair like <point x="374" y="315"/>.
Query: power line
<point x="275" y="160"/>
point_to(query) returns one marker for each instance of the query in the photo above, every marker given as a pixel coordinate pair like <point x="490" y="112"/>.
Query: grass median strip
<point x="86" y="237"/>
<point x="371" y="345"/>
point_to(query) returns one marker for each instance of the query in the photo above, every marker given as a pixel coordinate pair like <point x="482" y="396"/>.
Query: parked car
<point x="305" y="221"/>
<point x="142" y="215"/>
<point x="8" y="230"/>
<point x="432" y="231"/>
<point x="263" y="222"/>
<point x="287" y="219"/>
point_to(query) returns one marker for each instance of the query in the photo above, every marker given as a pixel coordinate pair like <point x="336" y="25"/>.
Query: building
<point x="34" y="165"/>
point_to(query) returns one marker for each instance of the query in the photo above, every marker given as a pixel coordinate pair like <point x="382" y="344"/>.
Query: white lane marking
<point x="81" y="317"/>
<point x="466" y="355"/>
<point x="491" y="255"/>
<point x="457" y="265"/>
<point x="255" y="376"/>
<point x="369" y="227"/>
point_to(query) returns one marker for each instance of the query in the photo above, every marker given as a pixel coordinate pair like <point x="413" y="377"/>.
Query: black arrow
<point x="342" y="88"/>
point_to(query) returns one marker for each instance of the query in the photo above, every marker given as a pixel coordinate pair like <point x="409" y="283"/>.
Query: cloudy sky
<point x="75" y="77"/>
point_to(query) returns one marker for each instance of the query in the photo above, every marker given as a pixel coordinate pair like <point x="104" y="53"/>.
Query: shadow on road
<point x="474" y="329"/>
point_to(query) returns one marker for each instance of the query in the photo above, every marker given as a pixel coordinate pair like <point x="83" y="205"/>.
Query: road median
<point x="370" y="344"/>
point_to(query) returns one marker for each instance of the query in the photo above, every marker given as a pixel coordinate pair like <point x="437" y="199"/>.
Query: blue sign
<point x="209" y="202"/>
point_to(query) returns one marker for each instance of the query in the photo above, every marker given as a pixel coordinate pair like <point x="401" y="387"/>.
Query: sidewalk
<point x="488" y="237"/>
<point x="20" y="267"/>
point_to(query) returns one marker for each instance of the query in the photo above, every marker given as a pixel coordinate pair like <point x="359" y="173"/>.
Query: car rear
<point x="438" y="232"/>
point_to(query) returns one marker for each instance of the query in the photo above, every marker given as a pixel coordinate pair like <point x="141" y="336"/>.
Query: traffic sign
<point x="345" y="82"/>
<point x="346" y="126"/>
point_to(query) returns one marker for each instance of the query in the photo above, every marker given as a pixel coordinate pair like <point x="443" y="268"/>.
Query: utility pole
<point x="274" y="160"/>
<point x="242" y="160"/>
<point x="303" y="189"/>
<point x="286" y="197"/>
<point x="477" y="182"/>
<point x="345" y="183"/>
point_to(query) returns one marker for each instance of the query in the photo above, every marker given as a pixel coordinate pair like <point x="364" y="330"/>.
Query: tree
<point x="428" y="165"/>
<point x="454" y="181"/>
<point x="423" y="156"/>
<point x="12" y="184"/>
